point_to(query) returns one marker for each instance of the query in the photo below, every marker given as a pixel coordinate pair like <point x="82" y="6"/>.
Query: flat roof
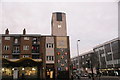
<point x="85" y="53"/>
<point x="29" y="35"/>
<point x="107" y="42"/>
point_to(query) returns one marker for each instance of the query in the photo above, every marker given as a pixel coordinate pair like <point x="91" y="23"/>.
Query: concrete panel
<point x="49" y="51"/>
<point x="61" y="42"/>
<point x="49" y="39"/>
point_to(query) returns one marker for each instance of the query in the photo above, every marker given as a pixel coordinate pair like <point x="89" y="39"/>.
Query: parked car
<point x="84" y="75"/>
<point x="90" y="74"/>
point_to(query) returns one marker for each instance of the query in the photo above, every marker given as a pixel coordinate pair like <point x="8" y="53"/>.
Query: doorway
<point x="50" y="73"/>
<point x="15" y="73"/>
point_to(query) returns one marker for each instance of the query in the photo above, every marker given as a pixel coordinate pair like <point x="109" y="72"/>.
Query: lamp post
<point x="78" y="55"/>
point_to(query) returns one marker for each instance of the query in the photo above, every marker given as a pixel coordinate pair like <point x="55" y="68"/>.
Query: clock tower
<point x="61" y="48"/>
<point x="58" y="24"/>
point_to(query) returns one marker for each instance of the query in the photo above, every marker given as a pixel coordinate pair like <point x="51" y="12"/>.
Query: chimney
<point x="7" y="31"/>
<point x="24" y="31"/>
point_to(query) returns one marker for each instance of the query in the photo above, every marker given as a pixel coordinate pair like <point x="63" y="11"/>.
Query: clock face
<point x="59" y="26"/>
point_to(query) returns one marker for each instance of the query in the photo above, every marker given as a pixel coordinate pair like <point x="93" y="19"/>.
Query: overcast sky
<point x="91" y="22"/>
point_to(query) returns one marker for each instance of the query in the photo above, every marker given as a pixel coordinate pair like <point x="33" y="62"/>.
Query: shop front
<point x="24" y="68"/>
<point x="110" y="72"/>
<point x="50" y="72"/>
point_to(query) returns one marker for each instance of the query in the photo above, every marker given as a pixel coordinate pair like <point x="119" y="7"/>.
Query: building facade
<point x="37" y="56"/>
<point x="109" y="57"/>
<point x="84" y="66"/>
<point x="105" y="59"/>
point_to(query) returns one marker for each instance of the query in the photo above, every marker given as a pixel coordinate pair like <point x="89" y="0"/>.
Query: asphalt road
<point x="101" y="78"/>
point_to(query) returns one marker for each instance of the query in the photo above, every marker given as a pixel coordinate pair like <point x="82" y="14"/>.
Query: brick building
<point x="37" y="56"/>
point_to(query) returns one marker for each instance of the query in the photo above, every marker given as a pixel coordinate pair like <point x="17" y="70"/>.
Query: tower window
<point x="50" y="45"/>
<point x="59" y="16"/>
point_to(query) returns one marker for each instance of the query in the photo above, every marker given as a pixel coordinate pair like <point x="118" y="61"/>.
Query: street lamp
<point x="78" y="53"/>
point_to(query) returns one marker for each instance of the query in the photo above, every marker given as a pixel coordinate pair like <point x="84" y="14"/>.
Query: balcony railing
<point x="16" y="52"/>
<point x="35" y="51"/>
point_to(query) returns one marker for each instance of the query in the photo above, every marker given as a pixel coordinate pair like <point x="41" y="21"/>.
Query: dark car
<point x="84" y="75"/>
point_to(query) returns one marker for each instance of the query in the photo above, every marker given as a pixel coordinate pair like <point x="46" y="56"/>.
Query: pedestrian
<point x="80" y="77"/>
<point x="77" y="76"/>
<point x="23" y="76"/>
<point x="89" y="76"/>
<point x="72" y="77"/>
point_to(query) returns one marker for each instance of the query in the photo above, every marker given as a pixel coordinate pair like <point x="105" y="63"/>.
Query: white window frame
<point x="25" y="56"/>
<point x="25" y="47"/>
<point x="7" y="38"/>
<point x="16" y="48"/>
<point x="101" y="48"/>
<point x="109" y="53"/>
<point x="50" y="58"/>
<point x="16" y="40"/>
<point x="26" y="38"/>
<point x="103" y="55"/>
<point x="5" y="56"/>
<point x="83" y="57"/>
<point x="6" y="47"/>
<point x="34" y="38"/>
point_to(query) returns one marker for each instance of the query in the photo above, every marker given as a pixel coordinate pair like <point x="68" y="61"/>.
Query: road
<point x="101" y="78"/>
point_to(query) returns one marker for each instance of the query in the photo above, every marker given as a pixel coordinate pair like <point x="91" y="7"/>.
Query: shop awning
<point x="21" y="62"/>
